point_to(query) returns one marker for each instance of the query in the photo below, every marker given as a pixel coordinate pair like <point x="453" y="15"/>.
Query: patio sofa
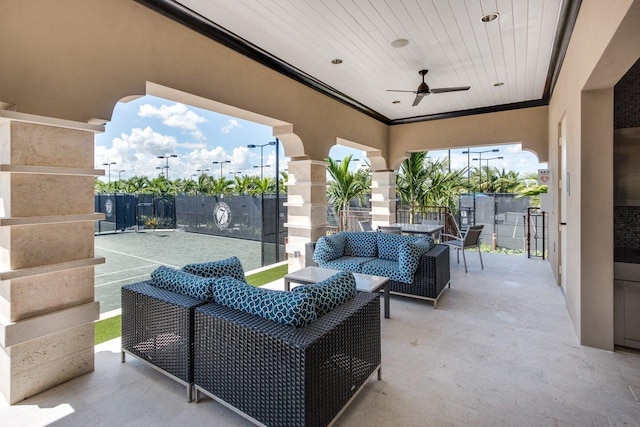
<point x="416" y="267"/>
<point x="157" y="315"/>
<point x="282" y="375"/>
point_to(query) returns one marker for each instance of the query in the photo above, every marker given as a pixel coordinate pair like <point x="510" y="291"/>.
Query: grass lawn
<point x="110" y="328"/>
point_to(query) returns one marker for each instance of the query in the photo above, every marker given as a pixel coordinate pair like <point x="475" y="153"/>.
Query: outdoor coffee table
<point x="364" y="282"/>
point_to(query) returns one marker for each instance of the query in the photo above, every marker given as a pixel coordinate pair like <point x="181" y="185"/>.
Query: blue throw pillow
<point x="225" y="267"/>
<point x="180" y="282"/>
<point x="330" y="293"/>
<point x="286" y="308"/>
<point x="329" y="248"/>
<point x="409" y="254"/>
<point x="389" y="245"/>
<point x="360" y="243"/>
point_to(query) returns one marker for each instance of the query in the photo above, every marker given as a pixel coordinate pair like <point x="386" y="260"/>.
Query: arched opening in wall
<point x="494" y="186"/>
<point x="186" y="184"/>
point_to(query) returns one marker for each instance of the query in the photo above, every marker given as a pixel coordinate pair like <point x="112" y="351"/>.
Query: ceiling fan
<point x="423" y="90"/>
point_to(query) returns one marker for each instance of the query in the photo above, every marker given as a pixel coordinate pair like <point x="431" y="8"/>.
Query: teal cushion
<point x="287" y="308"/>
<point x="360" y="244"/>
<point x="225" y="267"/>
<point x="329" y="248"/>
<point x="180" y="282"/>
<point x="330" y="293"/>
<point x="389" y="245"/>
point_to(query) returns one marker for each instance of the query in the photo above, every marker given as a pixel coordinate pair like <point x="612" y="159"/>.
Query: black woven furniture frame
<point x="157" y="328"/>
<point x="280" y="376"/>
<point x="431" y="278"/>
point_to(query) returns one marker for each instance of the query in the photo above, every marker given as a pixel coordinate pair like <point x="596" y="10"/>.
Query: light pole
<point x="162" y="168"/>
<point x="167" y="157"/>
<point x="108" y="165"/>
<point x="193" y="176"/>
<point x="261" y="167"/>
<point x="486" y="160"/>
<point x="468" y="153"/>
<point x="262" y="154"/>
<point x="202" y="171"/>
<point x="120" y="173"/>
<point x="221" y="163"/>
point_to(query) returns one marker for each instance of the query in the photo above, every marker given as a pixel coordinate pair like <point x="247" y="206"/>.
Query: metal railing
<point x="349" y="219"/>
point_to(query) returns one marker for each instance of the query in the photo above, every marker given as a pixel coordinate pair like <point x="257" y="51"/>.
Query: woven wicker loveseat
<point x="416" y="267"/>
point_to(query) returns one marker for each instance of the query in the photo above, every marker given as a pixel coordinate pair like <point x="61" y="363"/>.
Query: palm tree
<point x="410" y="181"/>
<point x="344" y="185"/>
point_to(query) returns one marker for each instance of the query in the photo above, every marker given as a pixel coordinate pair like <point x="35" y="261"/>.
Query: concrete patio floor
<point x="499" y="350"/>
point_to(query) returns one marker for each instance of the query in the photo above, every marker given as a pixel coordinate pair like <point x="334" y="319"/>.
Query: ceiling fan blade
<point x="410" y="91"/>
<point x="417" y="100"/>
<point x="450" y="89"/>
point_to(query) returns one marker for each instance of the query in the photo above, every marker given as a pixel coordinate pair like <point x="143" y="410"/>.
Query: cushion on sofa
<point x="410" y="253"/>
<point x="386" y="268"/>
<point x="329" y="248"/>
<point x="288" y="308"/>
<point x="180" y="282"/>
<point x="330" y="293"/>
<point x="389" y="245"/>
<point x="360" y="244"/>
<point x="347" y="263"/>
<point x="225" y="267"/>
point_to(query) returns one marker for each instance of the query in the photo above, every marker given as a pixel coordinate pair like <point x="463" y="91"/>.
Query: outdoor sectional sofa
<point x="297" y="369"/>
<point x="415" y="266"/>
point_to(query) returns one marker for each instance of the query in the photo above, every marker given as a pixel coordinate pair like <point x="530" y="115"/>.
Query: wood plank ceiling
<point x="447" y="37"/>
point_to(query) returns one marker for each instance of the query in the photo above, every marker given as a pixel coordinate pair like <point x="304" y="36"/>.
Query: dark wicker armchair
<point x="157" y="328"/>
<point x="281" y="376"/>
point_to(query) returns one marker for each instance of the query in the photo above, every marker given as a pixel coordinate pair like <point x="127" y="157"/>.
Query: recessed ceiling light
<point x="399" y="43"/>
<point x="396" y="102"/>
<point x="490" y="17"/>
<point x="498" y="84"/>
<point x="336" y="61"/>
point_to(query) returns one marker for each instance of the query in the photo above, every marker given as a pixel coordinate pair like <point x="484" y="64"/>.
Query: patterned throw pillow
<point x="286" y="308"/>
<point x="330" y="293"/>
<point x="225" y="267"/>
<point x="360" y="243"/>
<point x="329" y="248"/>
<point x="409" y="254"/>
<point x="389" y="245"/>
<point x="180" y="282"/>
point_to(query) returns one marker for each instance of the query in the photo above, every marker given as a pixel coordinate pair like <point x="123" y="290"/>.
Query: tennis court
<point x="131" y="257"/>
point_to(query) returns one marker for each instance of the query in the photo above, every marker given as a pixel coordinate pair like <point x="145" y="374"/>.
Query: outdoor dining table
<point x="429" y="229"/>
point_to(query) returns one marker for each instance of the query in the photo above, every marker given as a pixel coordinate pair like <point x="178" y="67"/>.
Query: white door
<point x="564" y="187"/>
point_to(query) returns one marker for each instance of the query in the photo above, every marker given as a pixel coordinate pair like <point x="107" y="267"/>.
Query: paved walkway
<point x="131" y="257"/>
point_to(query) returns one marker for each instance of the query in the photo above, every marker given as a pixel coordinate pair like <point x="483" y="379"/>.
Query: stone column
<point x="383" y="198"/>
<point x="47" y="260"/>
<point x="307" y="208"/>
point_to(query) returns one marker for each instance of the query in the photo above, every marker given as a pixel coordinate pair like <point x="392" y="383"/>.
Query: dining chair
<point x="365" y="225"/>
<point x="470" y="239"/>
<point x="389" y="229"/>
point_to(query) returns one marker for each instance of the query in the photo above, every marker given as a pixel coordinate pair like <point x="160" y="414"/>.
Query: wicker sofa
<point x="416" y="267"/>
<point x="282" y="376"/>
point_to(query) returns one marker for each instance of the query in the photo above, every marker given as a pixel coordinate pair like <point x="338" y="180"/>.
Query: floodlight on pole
<point x="108" y="165"/>
<point x="167" y="157"/>
<point x="469" y="152"/>
<point x="262" y="165"/>
<point x="221" y="163"/>
<point x="120" y="173"/>
<point x="202" y="171"/>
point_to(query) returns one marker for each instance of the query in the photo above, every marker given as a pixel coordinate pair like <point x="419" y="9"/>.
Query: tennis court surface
<point x="131" y="257"/>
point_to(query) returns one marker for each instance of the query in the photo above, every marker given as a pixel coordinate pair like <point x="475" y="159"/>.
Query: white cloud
<point x="176" y="115"/>
<point x="145" y="141"/>
<point x="232" y="123"/>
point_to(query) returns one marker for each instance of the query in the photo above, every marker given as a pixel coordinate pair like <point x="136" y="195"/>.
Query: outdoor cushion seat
<point x="386" y="268"/>
<point x="416" y="266"/>
<point x="183" y="283"/>
<point x="351" y="264"/>
<point x="230" y="267"/>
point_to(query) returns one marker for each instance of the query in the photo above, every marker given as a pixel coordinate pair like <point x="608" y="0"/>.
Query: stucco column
<point x="47" y="217"/>
<point x="383" y="198"/>
<point x="307" y="208"/>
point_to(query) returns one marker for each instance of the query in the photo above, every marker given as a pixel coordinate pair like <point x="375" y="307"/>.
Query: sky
<point x="148" y="127"/>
